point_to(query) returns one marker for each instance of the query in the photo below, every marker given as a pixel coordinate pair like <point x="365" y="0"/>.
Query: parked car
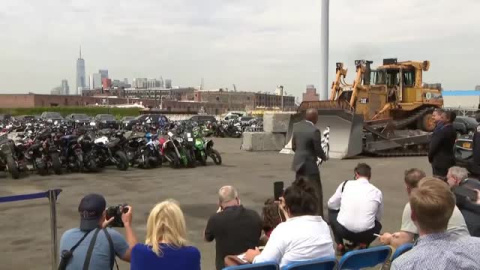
<point x="245" y="120"/>
<point x="125" y="121"/>
<point x="201" y="119"/>
<point x="465" y="125"/>
<point x="51" y="117"/>
<point x="154" y="119"/>
<point x="105" y="121"/>
<point x="78" y="118"/>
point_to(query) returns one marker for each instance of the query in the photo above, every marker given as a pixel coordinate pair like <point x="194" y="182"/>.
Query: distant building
<point x="139" y="83"/>
<point x="80" y="83"/>
<point x="153" y="83"/>
<point x="477" y="88"/>
<point x="65" y="88"/>
<point x="125" y="81"/>
<point x="103" y="73"/>
<point x="106" y="83"/>
<point x="168" y="83"/>
<point x="310" y="94"/>
<point x="95" y="81"/>
<point x="279" y="90"/>
<point x="56" y="91"/>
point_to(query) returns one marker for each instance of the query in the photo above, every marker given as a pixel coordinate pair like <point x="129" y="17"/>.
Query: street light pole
<point x="324" y="34"/>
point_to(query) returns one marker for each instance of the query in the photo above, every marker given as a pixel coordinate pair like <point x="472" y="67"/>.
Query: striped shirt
<point x="441" y="251"/>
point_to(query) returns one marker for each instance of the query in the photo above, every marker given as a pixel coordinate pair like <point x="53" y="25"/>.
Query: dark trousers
<point x="316" y="183"/>
<point x="340" y="233"/>
<point x="439" y="171"/>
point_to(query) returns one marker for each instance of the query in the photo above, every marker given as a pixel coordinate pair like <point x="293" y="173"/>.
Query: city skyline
<point x="254" y="45"/>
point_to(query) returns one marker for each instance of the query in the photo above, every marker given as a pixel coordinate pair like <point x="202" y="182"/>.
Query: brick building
<point x="34" y="100"/>
<point x="310" y="94"/>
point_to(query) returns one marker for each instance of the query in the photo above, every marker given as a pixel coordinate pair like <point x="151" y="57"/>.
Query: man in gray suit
<point x="307" y="145"/>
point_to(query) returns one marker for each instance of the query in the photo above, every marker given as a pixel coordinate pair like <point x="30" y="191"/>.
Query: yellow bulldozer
<point x="387" y="111"/>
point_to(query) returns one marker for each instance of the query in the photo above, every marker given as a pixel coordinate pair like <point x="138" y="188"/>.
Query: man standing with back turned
<point x="307" y="145"/>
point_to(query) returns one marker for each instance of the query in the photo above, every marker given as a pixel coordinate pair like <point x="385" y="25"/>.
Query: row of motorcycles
<point x="58" y="147"/>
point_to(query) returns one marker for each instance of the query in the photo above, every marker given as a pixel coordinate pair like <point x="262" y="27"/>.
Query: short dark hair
<point x="413" y="176"/>
<point x="451" y="116"/>
<point x="363" y="169"/>
<point x="300" y="199"/>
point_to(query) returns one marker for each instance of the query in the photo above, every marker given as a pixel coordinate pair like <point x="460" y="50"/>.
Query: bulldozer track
<point x="405" y="122"/>
<point x="401" y="153"/>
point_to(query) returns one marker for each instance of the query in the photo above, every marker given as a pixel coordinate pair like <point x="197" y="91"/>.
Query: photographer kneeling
<point x="93" y="245"/>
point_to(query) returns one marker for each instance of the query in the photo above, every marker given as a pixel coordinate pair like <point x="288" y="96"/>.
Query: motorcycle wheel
<point x="56" y="164"/>
<point x="173" y="160"/>
<point x="12" y="168"/>
<point x="203" y="158"/>
<point x="122" y="160"/>
<point x="191" y="161"/>
<point x="215" y="155"/>
<point x="41" y="168"/>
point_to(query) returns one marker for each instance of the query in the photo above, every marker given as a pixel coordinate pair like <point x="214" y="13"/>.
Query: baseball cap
<point x="91" y="209"/>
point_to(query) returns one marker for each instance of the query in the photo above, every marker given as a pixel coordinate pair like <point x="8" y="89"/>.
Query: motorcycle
<point x="87" y="145"/>
<point x="72" y="153"/>
<point x="110" y="153"/>
<point x="190" y="145"/>
<point x="212" y="153"/>
<point x="463" y="151"/>
<point x="149" y="153"/>
<point x="325" y="143"/>
<point x="7" y="162"/>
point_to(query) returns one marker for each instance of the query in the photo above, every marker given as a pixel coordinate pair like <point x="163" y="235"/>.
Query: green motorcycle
<point x="204" y="149"/>
<point x="199" y="146"/>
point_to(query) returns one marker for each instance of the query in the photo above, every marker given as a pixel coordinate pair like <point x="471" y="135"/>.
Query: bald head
<point x="228" y="196"/>
<point x="312" y="115"/>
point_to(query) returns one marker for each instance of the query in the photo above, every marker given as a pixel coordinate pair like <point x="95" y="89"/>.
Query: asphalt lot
<point x="25" y="231"/>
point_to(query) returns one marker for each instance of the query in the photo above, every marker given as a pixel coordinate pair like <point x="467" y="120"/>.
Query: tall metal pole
<point x="324" y="50"/>
<point x="52" y="198"/>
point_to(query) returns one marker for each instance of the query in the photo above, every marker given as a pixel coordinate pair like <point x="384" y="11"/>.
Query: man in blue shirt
<point x="432" y="205"/>
<point x="107" y="243"/>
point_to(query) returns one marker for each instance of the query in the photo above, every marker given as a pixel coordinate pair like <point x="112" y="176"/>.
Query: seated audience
<point x="234" y="228"/>
<point x="304" y="235"/>
<point x="166" y="242"/>
<point x="355" y="210"/>
<point x="470" y="209"/>
<point x="408" y="231"/>
<point x="432" y="204"/>
<point x="272" y="215"/>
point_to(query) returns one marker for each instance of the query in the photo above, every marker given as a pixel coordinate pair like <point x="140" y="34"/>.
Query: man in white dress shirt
<point x="355" y="210"/>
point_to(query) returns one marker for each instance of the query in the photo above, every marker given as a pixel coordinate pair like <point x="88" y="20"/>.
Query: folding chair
<point x="326" y="263"/>
<point x="362" y="258"/>
<point x="401" y="249"/>
<point x="255" y="266"/>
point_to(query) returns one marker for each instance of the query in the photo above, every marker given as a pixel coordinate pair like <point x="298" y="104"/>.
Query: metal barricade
<point x="52" y="198"/>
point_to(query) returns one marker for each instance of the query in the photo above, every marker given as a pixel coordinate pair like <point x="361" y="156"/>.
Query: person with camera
<point x="166" y="242"/>
<point x="93" y="245"/>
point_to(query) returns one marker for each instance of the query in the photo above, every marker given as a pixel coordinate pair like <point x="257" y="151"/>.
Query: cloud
<point x="254" y="44"/>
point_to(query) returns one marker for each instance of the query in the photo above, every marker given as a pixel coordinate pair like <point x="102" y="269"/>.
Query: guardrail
<point x="52" y="198"/>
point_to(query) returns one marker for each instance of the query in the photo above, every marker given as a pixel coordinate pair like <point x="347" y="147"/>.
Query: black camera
<point x="116" y="212"/>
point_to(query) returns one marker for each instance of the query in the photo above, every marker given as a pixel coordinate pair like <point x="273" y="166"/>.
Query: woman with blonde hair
<point x="166" y="244"/>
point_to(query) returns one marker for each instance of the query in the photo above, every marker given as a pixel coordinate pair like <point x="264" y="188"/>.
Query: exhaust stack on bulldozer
<point x="386" y="111"/>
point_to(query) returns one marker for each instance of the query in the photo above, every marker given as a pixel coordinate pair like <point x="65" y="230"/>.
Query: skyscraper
<point x="104" y="73"/>
<point x="80" y="74"/>
<point x="95" y="81"/>
<point x="65" y="88"/>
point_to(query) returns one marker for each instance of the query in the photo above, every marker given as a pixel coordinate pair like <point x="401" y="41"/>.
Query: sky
<point x="254" y="44"/>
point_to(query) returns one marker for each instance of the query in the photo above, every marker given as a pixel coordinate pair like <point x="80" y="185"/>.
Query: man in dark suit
<point x="440" y="154"/>
<point x="307" y="145"/>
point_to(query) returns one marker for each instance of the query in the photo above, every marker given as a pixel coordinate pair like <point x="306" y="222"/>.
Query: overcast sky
<point x="255" y="44"/>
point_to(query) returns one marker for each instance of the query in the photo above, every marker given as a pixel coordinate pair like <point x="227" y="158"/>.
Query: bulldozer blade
<point x="346" y="132"/>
